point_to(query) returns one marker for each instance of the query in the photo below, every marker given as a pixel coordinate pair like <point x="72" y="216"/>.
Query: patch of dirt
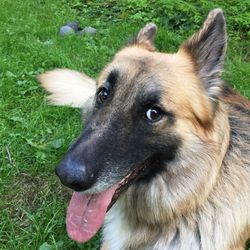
<point x="29" y="194"/>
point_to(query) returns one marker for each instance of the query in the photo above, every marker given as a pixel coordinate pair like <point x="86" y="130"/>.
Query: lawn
<point x="34" y="136"/>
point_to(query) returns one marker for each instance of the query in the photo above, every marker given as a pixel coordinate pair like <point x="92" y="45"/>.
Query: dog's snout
<point x="74" y="174"/>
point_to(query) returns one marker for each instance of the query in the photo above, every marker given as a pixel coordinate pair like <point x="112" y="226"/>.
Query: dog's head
<point x="142" y="110"/>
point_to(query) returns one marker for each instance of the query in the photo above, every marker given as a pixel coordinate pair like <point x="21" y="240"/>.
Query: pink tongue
<point x="86" y="213"/>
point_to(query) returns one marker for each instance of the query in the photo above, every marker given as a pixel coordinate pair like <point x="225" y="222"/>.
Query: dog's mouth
<point x="86" y="212"/>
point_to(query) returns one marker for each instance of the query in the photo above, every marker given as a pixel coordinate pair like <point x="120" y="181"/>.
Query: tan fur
<point x="204" y="205"/>
<point x="202" y="199"/>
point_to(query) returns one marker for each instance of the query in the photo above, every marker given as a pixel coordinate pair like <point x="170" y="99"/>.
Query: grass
<point x="34" y="136"/>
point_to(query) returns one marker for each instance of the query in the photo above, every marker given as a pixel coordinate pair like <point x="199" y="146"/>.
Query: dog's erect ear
<point x="68" y="87"/>
<point x="146" y="36"/>
<point x="207" y="49"/>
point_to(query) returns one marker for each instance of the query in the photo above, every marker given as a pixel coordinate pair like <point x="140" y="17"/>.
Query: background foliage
<point x="34" y="136"/>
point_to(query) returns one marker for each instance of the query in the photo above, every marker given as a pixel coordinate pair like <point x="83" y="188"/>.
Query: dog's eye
<point x="102" y="95"/>
<point x="153" y="114"/>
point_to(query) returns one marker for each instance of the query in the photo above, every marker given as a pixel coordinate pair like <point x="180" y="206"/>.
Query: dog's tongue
<point x="86" y="213"/>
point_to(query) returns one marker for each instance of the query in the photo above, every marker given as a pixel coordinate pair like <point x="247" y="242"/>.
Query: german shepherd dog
<point x="164" y="159"/>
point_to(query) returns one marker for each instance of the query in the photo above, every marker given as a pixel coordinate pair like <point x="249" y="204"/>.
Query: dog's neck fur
<point x="169" y="192"/>
<point x="158" y="207"/>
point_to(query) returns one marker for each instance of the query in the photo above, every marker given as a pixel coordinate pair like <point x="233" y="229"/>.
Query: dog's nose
<point x="74" y="174"/>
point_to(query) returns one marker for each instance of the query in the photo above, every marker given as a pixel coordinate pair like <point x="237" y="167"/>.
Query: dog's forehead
<point x="138" y="71"/>
<point x="125" y="67"/>
<point x="132" y="67"/>
<point x="135" y="60"/>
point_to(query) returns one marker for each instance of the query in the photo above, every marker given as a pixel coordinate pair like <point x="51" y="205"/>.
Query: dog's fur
<point x="198" y="198"/>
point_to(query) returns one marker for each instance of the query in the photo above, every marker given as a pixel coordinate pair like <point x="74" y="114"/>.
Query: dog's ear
<point x="207" y="50"/>
<point x="68" y="87"/>
<point x="145" y="37"/>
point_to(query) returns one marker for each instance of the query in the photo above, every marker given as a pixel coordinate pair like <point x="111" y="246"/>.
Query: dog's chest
<point x="116" y="230"/>
<point x="119" y="235"/>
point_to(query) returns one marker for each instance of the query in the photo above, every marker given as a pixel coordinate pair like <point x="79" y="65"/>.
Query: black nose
<point x="74" y="174"/>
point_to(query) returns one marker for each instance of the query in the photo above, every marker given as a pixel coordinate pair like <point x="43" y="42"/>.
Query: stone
<point x="74" y="25"/>
<point x="66" y="30"/>
<point x="89" y="30"/>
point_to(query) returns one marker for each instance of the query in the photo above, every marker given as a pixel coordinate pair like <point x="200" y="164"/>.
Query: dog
<point x="164" y="159"/>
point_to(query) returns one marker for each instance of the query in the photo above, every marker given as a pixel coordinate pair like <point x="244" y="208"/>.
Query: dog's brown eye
<point x="102" y="95"/>
<point x="154" y="114"/>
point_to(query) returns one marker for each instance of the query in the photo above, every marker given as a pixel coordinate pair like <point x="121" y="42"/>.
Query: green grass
<point x="34" y="136"/>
